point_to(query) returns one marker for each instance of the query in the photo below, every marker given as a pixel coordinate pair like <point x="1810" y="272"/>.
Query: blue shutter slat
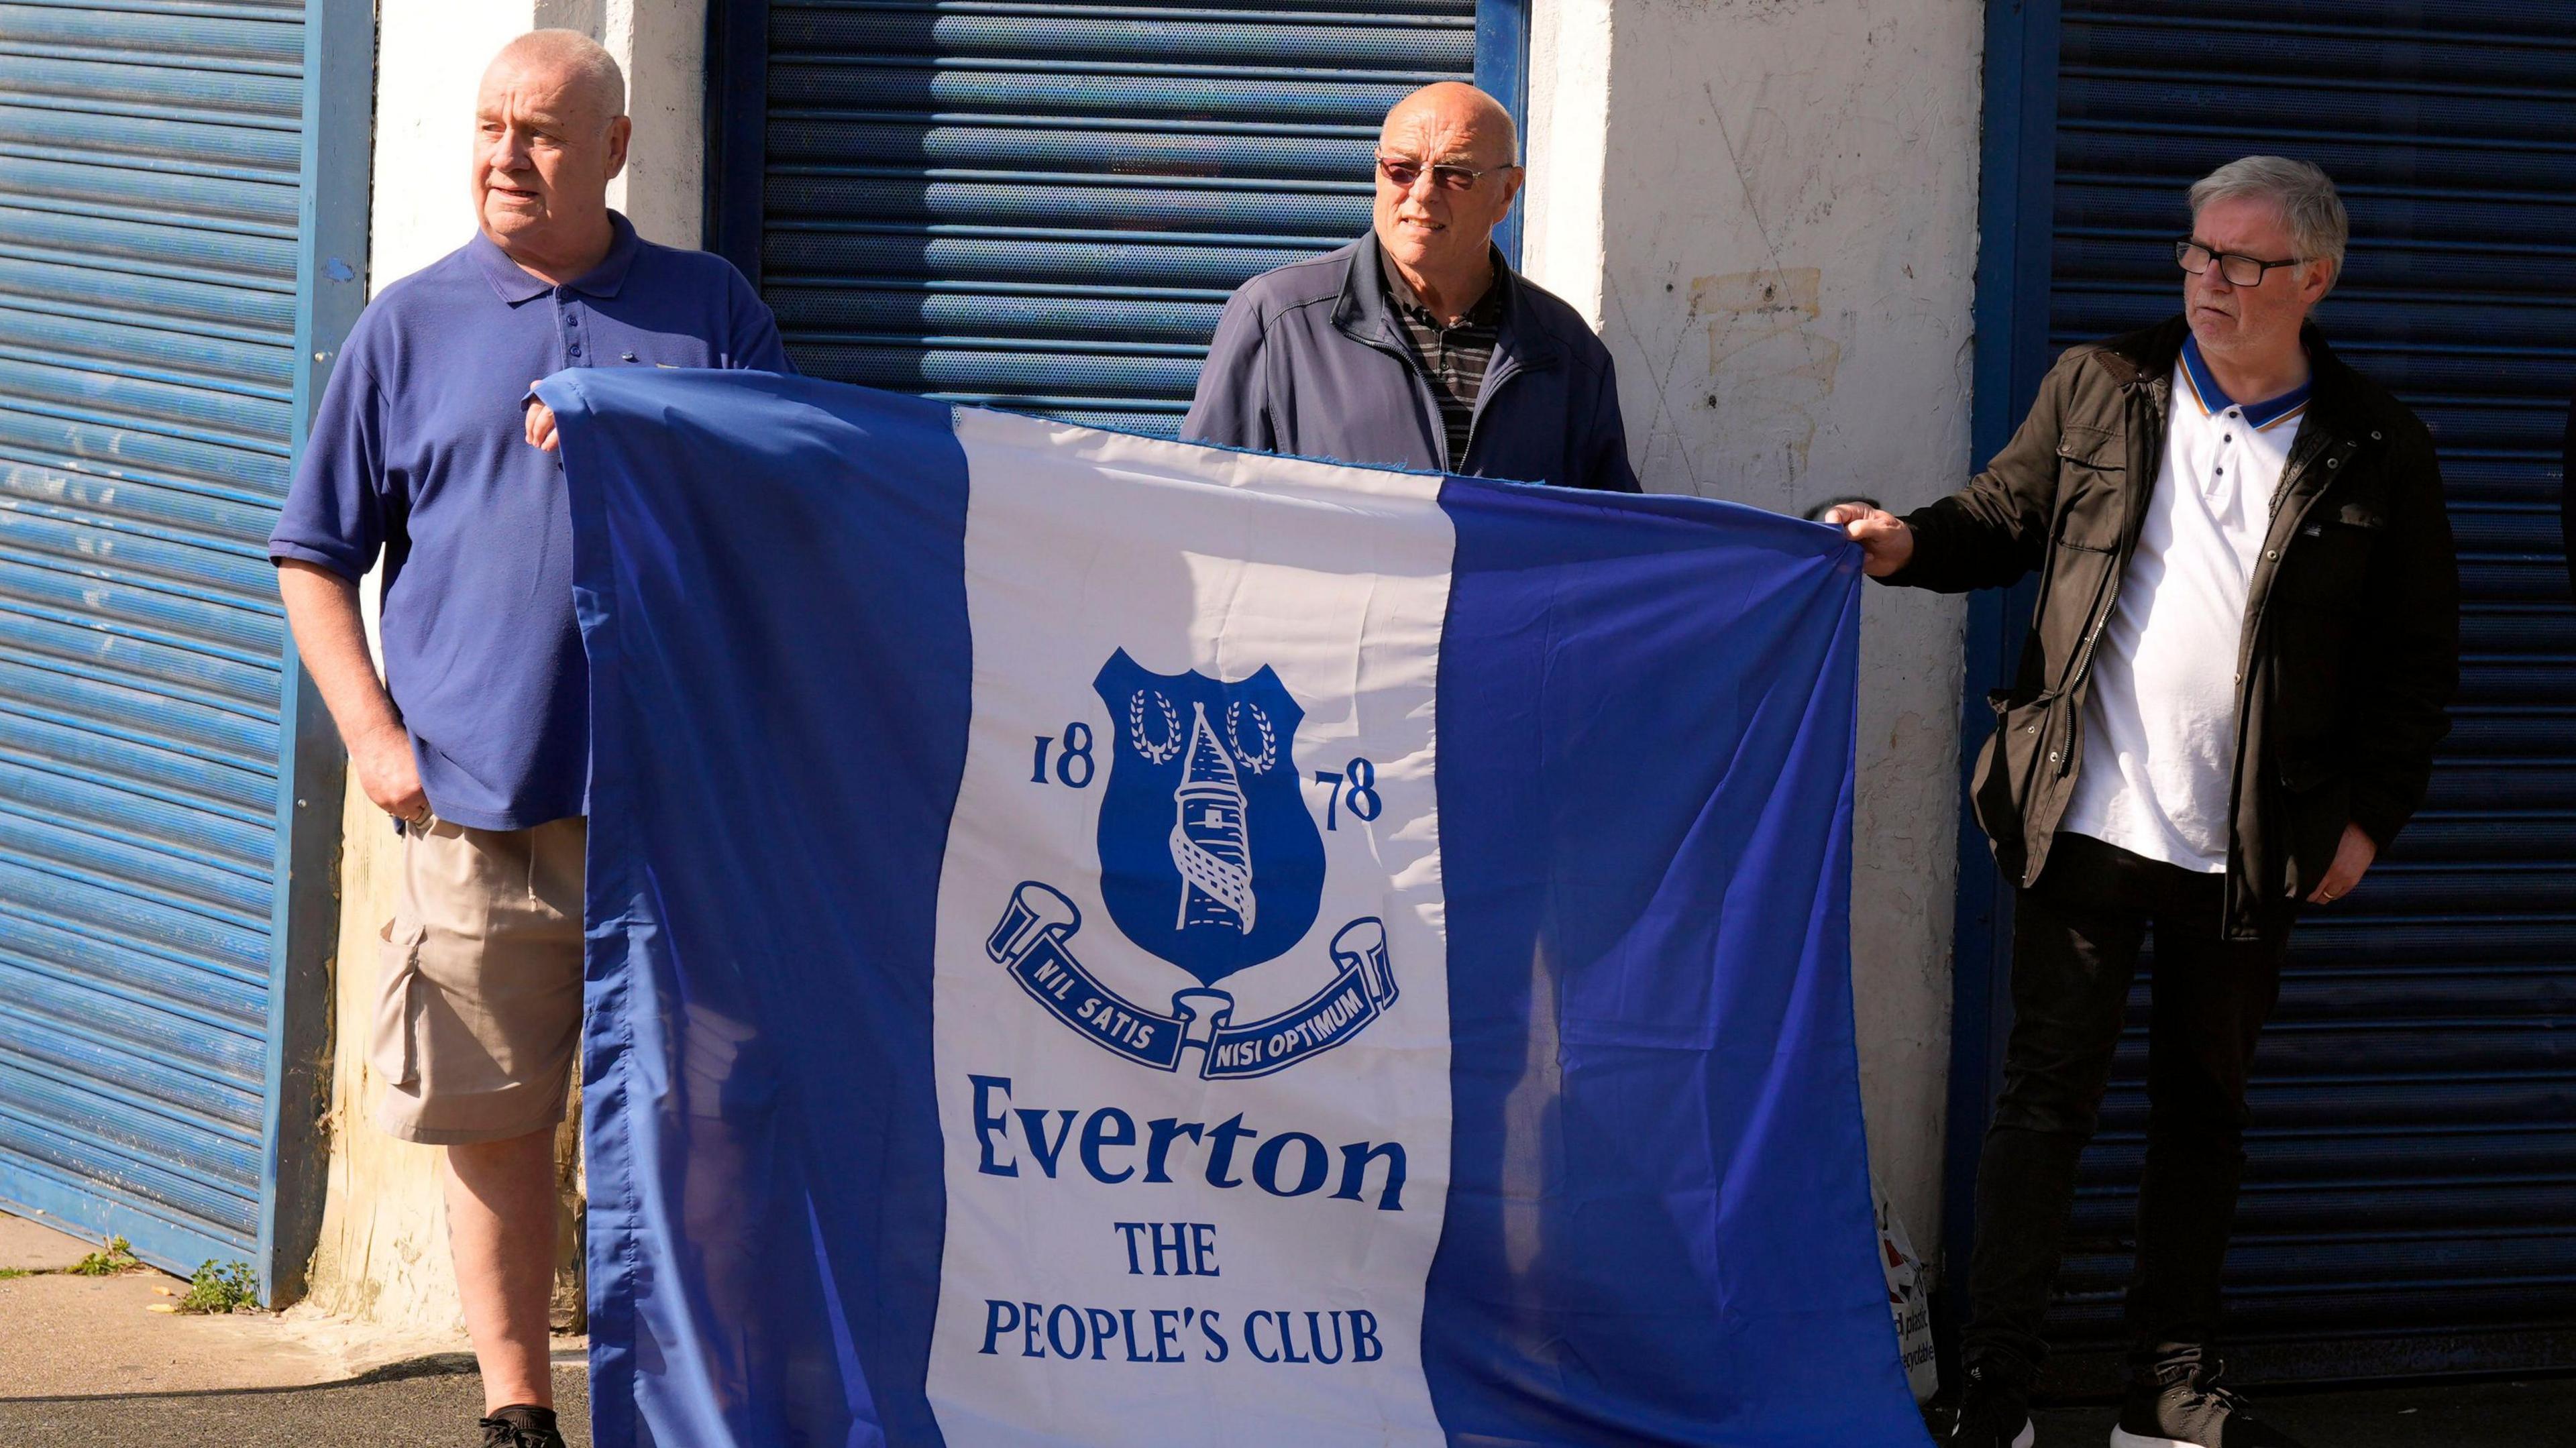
<point x="161" y="769"/>
<point x="1043" y="207"/>
<point x="166" y="976"/>
<point x="194" y="1058"/>
<point x="960" y="89"/>
<point x="150" y="672"/>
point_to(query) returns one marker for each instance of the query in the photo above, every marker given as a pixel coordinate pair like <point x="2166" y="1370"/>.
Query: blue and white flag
<point x="1095" y="940"/>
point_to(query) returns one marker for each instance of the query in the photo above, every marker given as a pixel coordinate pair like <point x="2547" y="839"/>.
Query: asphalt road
<point x="439" y="1411"/>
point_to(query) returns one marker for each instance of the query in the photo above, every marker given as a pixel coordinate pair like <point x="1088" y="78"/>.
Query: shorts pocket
<point x="393" y="1047"/>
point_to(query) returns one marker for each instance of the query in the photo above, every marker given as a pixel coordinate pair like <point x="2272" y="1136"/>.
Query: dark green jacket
<point x="2350" y="650"/>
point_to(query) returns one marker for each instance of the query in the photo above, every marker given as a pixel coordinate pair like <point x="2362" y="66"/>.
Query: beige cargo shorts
<point x="478" y="998"/>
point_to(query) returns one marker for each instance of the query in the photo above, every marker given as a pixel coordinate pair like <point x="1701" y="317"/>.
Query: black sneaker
<point x="2178" y="1403"/>
<point x="1992" y="1414"/>
<point x="521" y="1426"/>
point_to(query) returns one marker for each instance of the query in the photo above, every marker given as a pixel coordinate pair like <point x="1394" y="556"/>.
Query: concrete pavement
<point x="63" y="1335"/>
<point x="101" y="1360"/>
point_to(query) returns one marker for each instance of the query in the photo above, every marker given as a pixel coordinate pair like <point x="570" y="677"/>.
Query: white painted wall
<point x="1567" y="150"/>
<point x="382" y="1260"/>
<point x="1769" y="207"/>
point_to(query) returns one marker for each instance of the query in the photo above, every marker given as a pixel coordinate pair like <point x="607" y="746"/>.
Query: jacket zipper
<point x="2296" y="474"/>
<point x="2259" y="609"/>
<point x="1492" y="388"/>
<point x="1422" y="396"/>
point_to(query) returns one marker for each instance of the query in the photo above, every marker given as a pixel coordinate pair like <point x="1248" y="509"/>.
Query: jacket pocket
<point x="2092" y="481"/>
<point x="2008" y="770"/>
<point x="393" y="1045"/>
<point x="2329" y="558"/>
<point x="2081" y="445"/>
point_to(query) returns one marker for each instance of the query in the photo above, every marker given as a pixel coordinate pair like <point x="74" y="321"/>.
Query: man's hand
<point x="1886" y="544"/>
<point x="540" y="422"/>
<point x="322" y="609"/>
<point x="390" y="775"/>
<point x="2352" y="860"/>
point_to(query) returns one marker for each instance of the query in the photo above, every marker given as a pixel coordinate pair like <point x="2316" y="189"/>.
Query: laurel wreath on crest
<point x="1154" y="753"/>
<point x="1259" y="762"/>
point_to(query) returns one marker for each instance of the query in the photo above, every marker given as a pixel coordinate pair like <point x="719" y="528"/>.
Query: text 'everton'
<point x="1109" y="1147"/>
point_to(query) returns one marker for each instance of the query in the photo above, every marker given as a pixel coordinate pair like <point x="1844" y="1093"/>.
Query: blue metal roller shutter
<point x="165" y="209"/>
<point x="2410" y="1203"/>
<point x="1043" y="206"/>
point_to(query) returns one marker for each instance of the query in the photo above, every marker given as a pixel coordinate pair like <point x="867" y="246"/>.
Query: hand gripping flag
<point x="1101" y="941"/>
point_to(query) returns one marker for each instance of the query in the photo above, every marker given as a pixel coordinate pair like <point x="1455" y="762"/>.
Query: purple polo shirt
<point x="418" y="449"/>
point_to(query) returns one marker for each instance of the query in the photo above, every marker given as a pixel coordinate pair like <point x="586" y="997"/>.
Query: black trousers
<point x="2076" y="937"/>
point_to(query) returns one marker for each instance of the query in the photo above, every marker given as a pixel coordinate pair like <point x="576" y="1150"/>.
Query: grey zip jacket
<point x="1310" y="360"/>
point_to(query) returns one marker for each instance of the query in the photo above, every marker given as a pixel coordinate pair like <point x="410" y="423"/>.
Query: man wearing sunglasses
<point x="2243" y="654"/>
<point x="1417" y="345"/>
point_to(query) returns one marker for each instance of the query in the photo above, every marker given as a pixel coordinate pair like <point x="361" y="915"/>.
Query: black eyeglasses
<point x="2239" y="269"/>
<point x="1404" y="171"/>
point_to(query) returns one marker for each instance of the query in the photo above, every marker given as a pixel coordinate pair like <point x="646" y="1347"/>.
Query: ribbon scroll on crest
<point x="1033" y="940"/>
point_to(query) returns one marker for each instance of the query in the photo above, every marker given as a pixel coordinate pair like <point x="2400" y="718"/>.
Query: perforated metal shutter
<point x="2410" y="1204"/>
<point x="1043" y="206"/>
<point x="154" y="174"/>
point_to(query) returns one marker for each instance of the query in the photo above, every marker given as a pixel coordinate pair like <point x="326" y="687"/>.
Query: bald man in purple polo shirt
<point x="477" y="741"/>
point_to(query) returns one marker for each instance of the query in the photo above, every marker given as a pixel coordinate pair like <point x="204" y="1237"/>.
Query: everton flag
<point x="1095" y="940"/>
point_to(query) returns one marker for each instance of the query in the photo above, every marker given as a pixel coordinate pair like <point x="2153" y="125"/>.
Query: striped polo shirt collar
<point x="2213" y="399"/>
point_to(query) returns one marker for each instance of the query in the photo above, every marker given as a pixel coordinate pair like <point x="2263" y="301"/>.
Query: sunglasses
<point x="1404" y="171"/>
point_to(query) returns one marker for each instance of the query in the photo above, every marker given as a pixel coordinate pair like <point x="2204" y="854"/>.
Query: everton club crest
<point x="1209" y="860"/>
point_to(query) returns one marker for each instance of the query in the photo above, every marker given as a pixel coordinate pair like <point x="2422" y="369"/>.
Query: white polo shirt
<point x="2160" y="722"/>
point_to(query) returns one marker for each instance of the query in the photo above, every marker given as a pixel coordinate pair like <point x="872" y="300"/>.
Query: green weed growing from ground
<point x="117" y="1256"/>
<point x="222" y="1287"/>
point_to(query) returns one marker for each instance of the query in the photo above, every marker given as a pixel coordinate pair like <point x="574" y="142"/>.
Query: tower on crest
<point x="1209" y="843"/>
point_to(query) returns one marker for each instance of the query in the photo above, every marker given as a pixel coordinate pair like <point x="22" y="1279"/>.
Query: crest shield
<point x="1208" y="856"/>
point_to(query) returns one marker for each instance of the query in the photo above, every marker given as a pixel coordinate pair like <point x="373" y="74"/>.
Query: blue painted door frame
<point x="1502" y="71"/>
<point x="2017" y="167"/>
<point x="331" y="289"/>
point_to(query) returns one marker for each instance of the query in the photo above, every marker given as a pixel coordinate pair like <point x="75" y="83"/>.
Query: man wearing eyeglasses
<point x="2243" y="653"/>
<point x="1417" y="346"/>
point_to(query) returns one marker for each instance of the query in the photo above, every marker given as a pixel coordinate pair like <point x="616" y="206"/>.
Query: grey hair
<point x="584" y="60"/>
<point x="2306" y="195"/>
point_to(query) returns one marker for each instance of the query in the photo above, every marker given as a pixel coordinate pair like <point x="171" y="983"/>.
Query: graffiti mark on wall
<point x="1770" y="365"/>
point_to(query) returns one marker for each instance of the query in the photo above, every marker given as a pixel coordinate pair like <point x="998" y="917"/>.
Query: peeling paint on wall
<point x="1771" y="368"/>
